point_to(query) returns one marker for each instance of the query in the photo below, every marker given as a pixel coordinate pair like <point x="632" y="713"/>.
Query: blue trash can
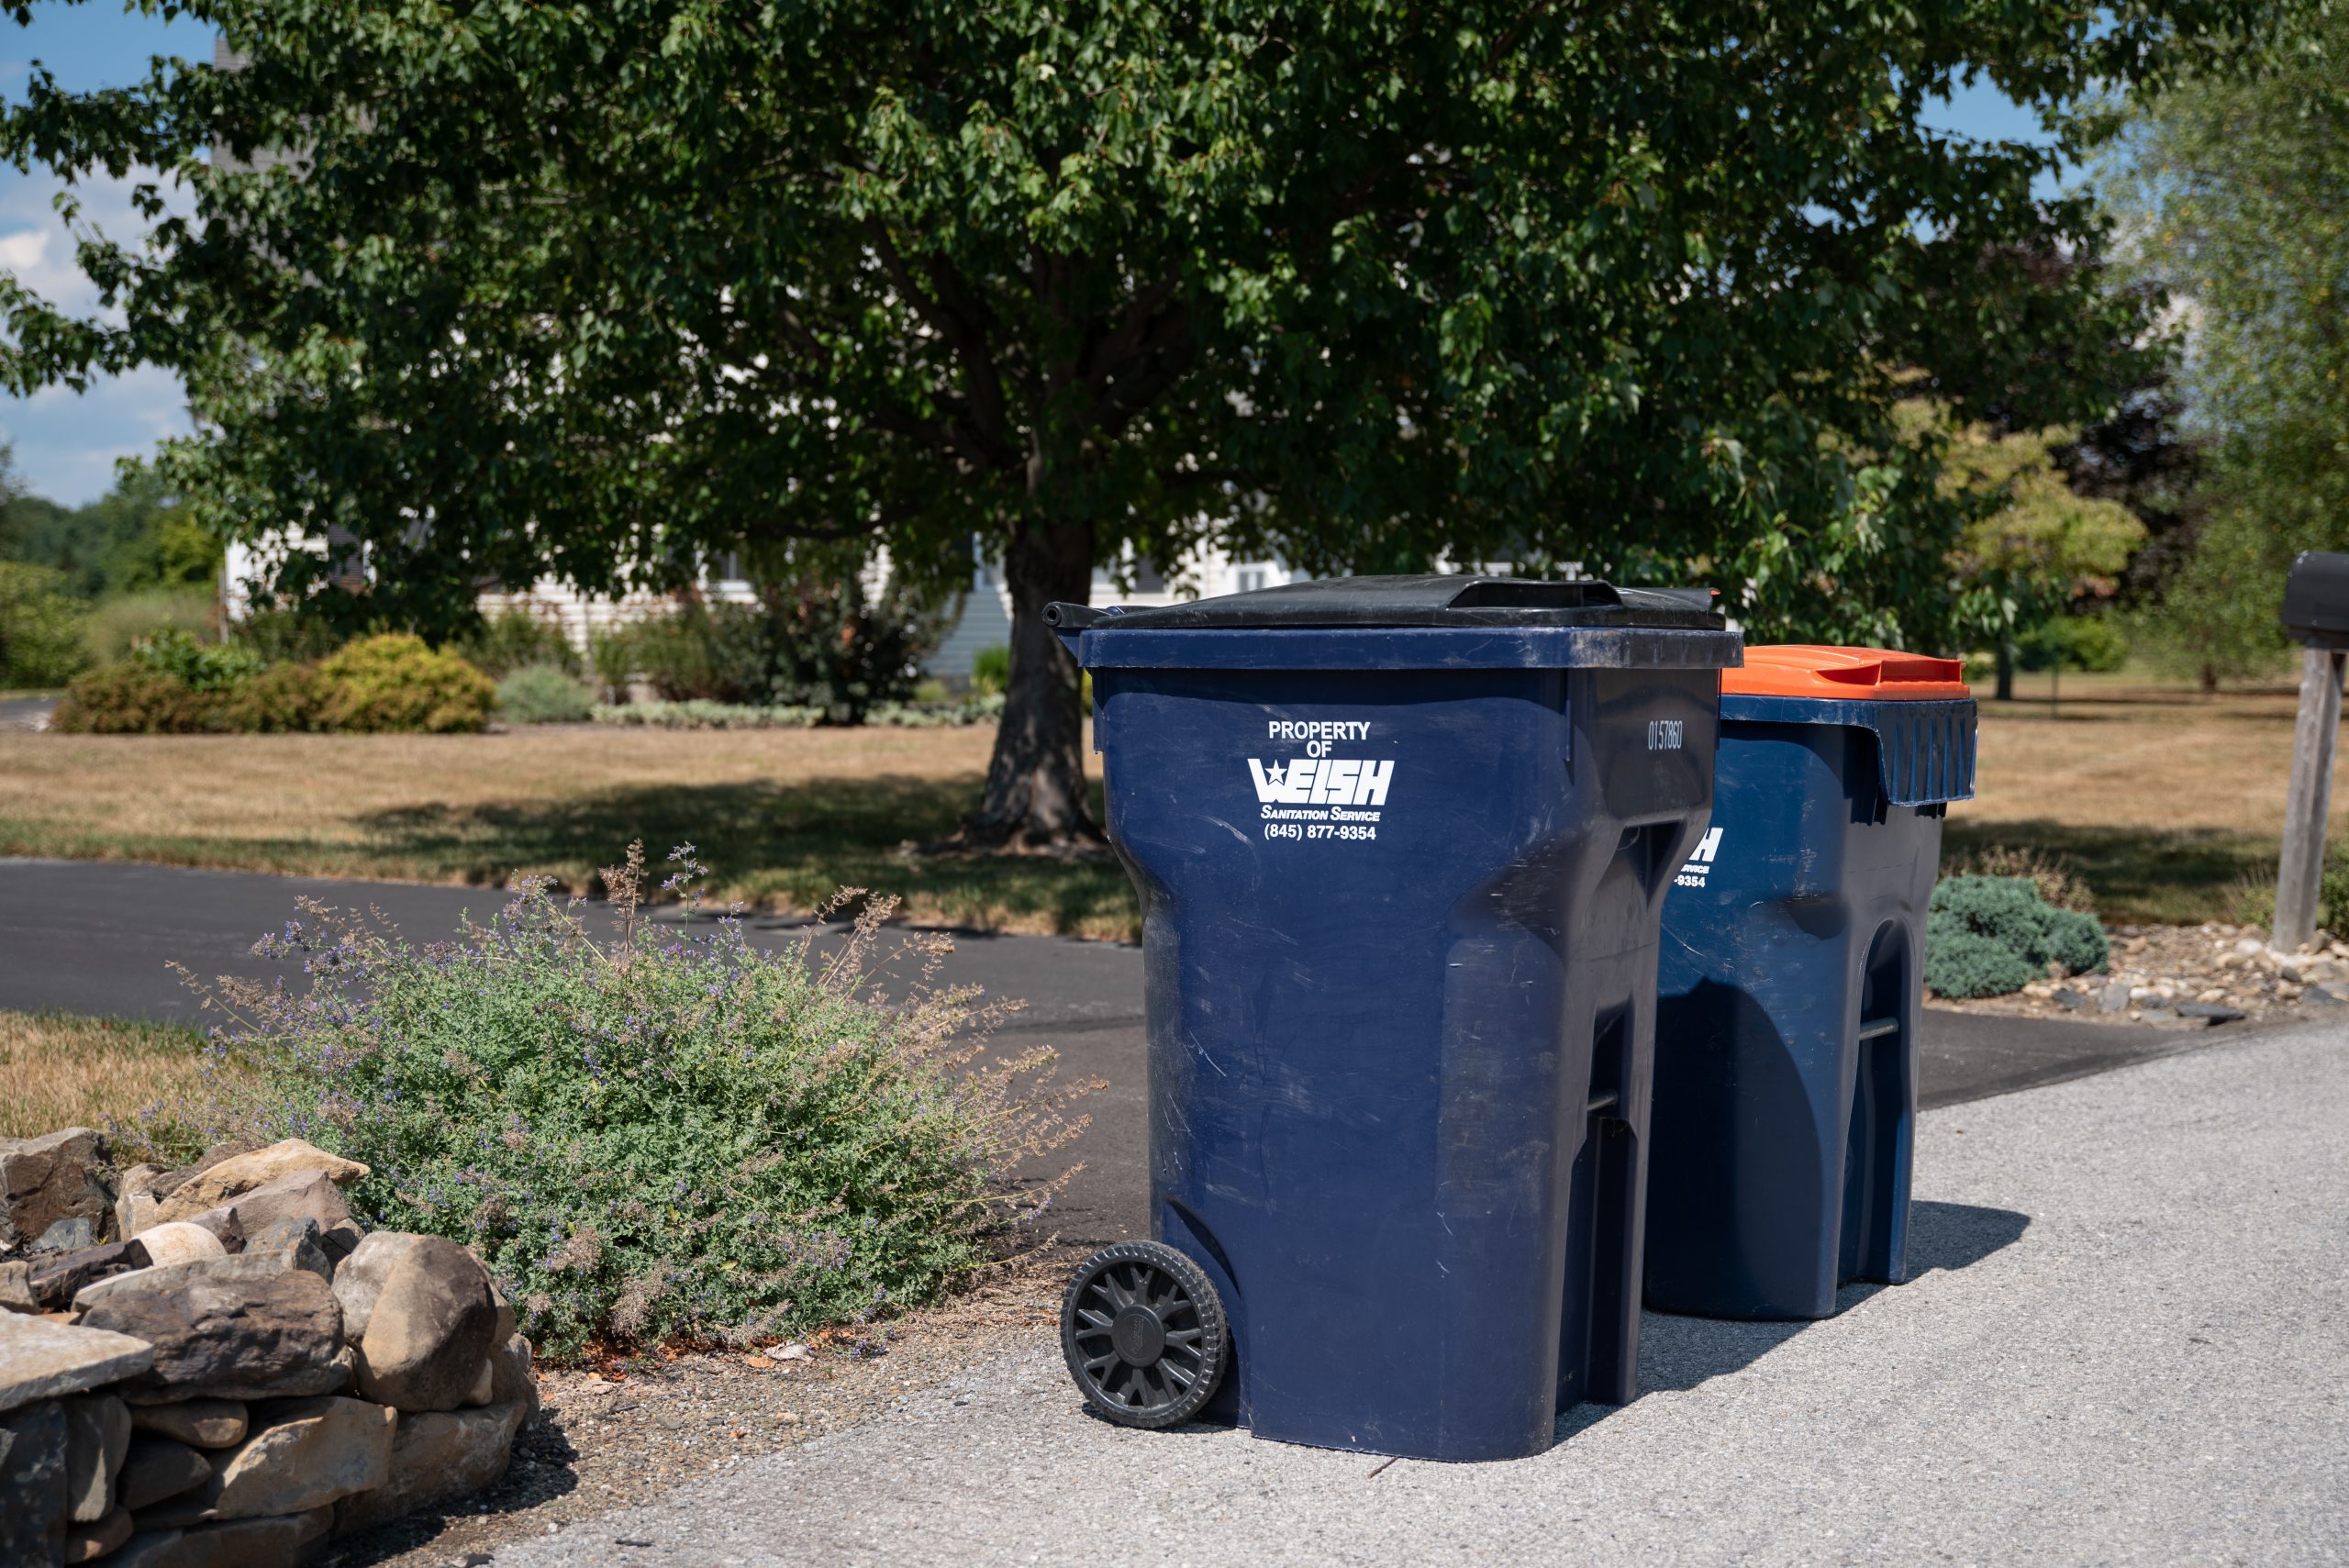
<point x="1786" y="1059"/>
<point x="1400" y="846"/>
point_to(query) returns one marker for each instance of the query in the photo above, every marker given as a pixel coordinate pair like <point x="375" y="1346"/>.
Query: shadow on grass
<point x="2169" y="876"/>
<point x="1677" y="1352"/>
<point x="769" y="844"/>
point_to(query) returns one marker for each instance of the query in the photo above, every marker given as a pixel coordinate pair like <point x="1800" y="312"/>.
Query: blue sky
<point x="66" y="444"/>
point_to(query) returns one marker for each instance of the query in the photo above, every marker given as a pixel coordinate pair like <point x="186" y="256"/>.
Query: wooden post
<point x="2301" y="870"/>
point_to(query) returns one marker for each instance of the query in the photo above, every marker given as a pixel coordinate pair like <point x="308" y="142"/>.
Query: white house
<point x="985" y="620"/>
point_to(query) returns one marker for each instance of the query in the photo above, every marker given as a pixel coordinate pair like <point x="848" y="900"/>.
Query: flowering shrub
<point x="655" y="1137"/>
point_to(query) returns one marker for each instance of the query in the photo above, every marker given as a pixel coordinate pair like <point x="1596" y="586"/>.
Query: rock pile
<point x="217" y="1367"/>
<point x="2191" y="977"/>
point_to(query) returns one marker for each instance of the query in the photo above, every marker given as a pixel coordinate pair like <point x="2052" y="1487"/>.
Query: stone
<point x="431" y="1325"/>
<point x="2071" y="1001"/>
<point x="278" y="1542"/>
<point x="2322" y="996"/>
<point x="16" y="1287"/>
<point x="41" y="1360"/>
<point x="61" y="1176"/>
<point x="310" y="1454"/>
<point x="2210" y="1010"/>
<point x="146" y="1549"/>
<point x="179" y="1241"/>
<point x="278" y="1335"/>
<point x="234" y="1177"/>
<point x="54" y="1282"/>
<point x="513" y="1382"/>
<point x="33" y="1486"/>
<point x="135" y="1202"/>
<point x="295" y="1242"/>
<point x="358" y="1278"/>
<point x="172" y="1277"/>
<point x="97" y="1436"/>
<point x="199" y="1423"/>
<point x="157" y="1468"/>
<point x="69" y="1235"/>
<point x="88" y="1542"/>
<point x="2114" y="997"/>
<point x="306" y="1194"/>
<point x="436" y="1456"/>
<point x="484" y="1388"/>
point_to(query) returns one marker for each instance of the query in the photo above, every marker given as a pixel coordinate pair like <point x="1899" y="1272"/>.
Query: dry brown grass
<point x="783" y="818"/>
<point x="69" y="1072"/>
<point x="2168" y="802"/>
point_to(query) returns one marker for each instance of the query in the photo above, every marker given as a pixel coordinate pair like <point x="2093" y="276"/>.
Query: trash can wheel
<point x="1144" y="1334"/>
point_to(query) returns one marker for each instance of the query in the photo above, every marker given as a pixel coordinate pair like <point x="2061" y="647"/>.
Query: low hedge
<point x="172" y="685"/>
<point x="1990" y="936"/>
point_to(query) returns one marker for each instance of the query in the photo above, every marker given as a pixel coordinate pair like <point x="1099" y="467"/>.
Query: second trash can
<point x="1400" y="846"/>
<point x="1786" y="1081"/>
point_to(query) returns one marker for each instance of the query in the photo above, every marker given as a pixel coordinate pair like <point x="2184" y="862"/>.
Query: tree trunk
<point x="1035" y="796"/>
<point x="2006" y="691"/>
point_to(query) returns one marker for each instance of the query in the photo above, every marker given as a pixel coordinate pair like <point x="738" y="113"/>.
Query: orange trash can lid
<point x="1845" y="675"/>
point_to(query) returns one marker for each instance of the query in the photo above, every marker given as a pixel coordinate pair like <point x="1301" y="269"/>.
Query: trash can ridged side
<point x="1400" y="1080"/>
<point x="1789" y="992"/>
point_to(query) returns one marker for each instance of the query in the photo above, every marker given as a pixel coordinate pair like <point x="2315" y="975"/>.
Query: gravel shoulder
<point x="2127" y="1342"/>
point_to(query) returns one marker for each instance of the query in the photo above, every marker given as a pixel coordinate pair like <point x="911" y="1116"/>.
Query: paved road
<point x="84" y="937"/>
<point x="2130" y="1344"/>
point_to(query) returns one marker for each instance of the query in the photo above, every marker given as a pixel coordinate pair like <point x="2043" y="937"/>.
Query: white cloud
<point x="65" y="443"/>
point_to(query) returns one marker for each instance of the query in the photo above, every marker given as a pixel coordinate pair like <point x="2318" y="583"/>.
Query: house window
<point x="1248" y="579"/>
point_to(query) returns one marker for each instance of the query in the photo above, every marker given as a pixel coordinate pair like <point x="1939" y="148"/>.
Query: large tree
<point x="587" y="289"/>
<point x="2233" y="190"/>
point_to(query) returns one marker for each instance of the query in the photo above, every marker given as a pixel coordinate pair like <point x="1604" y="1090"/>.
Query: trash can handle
<point x="1063" y="616"/>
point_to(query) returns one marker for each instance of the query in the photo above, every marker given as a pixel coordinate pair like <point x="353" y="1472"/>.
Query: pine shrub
<point x="660" y="1137"/>
<point x="2008" y="912"/>
<point x="282" y="699"/>
<point x="135" y="699"/>
<point x="1964" y="963"/>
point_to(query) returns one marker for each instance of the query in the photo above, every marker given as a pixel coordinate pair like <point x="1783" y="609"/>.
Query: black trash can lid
<point x="1433" y="599"/>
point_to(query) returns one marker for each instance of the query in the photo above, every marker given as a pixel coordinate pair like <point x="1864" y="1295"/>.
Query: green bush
<point x="656" y="1138"/>
<point x="2055" y="878"/>
<point x="817" y="639"/>
<point x="2008" y="912"/>
<point x="395" y="683"/>
<point x="282" y="699"/>
<point x="2254" y="903"/>
<point x="514" y="639"/>
<point x="544" y="693"/>
<point x="991" y="671"/>
<point x="199" y="666"/>
<point x="612" y="654"/>
<point x="134" y="698"/>
<point x="41" y="628"/>
<point x="1962" y="963"/>
<point x="120" y="624"/>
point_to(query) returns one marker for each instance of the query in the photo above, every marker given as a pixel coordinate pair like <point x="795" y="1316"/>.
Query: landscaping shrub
<point x="41" y="628"/>
<point x="282" y="699"/>
<point x="544" y="693"/>
<point x="197" y="666"/>
<point x="517" y="638"/>
<point x="395" y="683"/>
<point x="612" y="654"/>
<point x="2007" y="912"/>
<point x="135" y="699"/>
<point x="656" y="1137"/>
<point x="817" y="639"/>
<point x="991" y="671"/>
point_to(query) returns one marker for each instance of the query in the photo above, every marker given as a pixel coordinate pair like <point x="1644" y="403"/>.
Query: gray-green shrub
<point x="2009" y="913"/>
<point x="544" y="693"/>
<point x="659" y="1136"/>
